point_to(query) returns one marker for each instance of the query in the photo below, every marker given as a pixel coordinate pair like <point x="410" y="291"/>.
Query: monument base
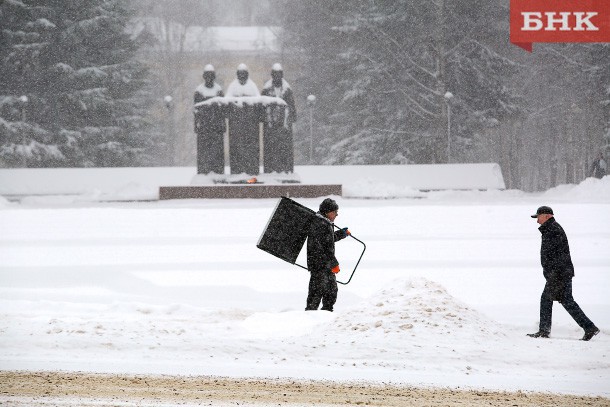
<point x="250" y="191"/>
<point x="273" y="178"/>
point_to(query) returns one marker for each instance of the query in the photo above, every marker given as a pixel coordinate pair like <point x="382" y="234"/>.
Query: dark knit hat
<point x="328" y="205"/>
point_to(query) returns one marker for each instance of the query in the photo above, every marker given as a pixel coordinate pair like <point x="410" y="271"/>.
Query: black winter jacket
<point x="321" y="245"/>
<point x="555" y="252"/>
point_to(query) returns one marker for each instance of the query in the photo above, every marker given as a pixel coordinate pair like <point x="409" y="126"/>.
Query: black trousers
<point x="546" y="306"/>
<point x="322" y="287"/>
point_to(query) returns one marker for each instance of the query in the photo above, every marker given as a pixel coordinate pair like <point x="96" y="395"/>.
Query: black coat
<point x="555" y="253"/>
<point x="321" y="245"/>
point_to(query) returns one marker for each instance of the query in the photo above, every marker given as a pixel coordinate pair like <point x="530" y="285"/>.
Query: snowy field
<point x="447" y="289"/>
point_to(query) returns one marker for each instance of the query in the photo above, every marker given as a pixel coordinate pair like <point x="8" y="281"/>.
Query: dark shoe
<point x="590" y="334"/>
<point x="539" y="334"/>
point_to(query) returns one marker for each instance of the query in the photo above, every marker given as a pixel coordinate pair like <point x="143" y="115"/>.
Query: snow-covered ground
<point x="447" y="289"/>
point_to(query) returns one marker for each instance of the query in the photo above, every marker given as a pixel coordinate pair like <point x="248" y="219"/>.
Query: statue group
<point x="243" y="108"/>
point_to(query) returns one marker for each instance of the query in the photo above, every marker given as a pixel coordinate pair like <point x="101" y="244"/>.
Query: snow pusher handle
<point x="359" y="258"/>
<point x="286" y="233"/>
<point x="357" y="263"/>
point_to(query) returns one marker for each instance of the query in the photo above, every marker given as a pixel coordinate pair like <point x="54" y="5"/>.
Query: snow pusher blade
<point x="286" y="232"/>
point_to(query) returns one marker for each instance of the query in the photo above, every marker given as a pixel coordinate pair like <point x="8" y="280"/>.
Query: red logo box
<point x="559" y="21"/>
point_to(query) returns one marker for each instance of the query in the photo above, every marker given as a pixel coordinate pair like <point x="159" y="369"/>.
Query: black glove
<point x="343" y="233"/>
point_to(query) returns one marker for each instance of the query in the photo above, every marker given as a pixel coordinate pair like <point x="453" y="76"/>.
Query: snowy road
<point x="110" y="390"/>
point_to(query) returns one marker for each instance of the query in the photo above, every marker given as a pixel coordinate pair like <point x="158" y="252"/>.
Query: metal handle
<point x="357" y="263"/>
<point x="359" y="258"/>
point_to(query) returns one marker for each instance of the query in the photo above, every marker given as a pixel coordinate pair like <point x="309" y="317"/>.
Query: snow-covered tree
<point x="566" y="111"/>
<point x="86" y="99"/>
<point x="166" y="23"/>
<point x="387" y="73"/>
<point x="309" y="32"/>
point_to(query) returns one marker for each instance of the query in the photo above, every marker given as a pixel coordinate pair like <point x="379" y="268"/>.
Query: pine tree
<point x="393" y="67"/>
<point x="310" y="29"/>
<point x="86" y="93"/>
<point x="565" y="112"/>
<point x="21" y="39"/>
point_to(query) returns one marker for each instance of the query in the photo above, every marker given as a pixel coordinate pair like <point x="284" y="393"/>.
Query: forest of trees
<point x="72" y="92"/>
<point x="393" y="79"/>
<point x="395" y="82"/>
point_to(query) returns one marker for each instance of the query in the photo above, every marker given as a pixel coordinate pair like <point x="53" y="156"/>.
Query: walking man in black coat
<point x="558" y="271"/>
<point x="321" y="260"/>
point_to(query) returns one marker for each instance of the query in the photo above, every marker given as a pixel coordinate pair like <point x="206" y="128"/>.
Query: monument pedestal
<point x="250" y="191"/>
<point x="236" y="186"/>
<point x="243" y="178"/>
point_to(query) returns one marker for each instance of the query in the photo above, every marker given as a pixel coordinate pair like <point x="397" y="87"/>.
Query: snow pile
<point x="591" y="189"/>
<point x="415" y="307"/>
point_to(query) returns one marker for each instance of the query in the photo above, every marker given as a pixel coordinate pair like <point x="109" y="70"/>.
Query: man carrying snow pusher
<point x="321" y="260"/>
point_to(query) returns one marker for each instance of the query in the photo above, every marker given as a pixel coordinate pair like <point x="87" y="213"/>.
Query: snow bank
<point x="402" y="178"/>
<point x="591" y="189"/>
<point x="93" y="184"/>
<point x="467" y="182"/>
<point x="414" y="307"/>
<point x="142" y="183"/>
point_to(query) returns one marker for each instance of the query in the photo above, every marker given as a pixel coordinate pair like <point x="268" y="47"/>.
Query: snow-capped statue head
<point x="277" y="73"/>
<point x="242" y="74"/>
<point x="209" y="75"/>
